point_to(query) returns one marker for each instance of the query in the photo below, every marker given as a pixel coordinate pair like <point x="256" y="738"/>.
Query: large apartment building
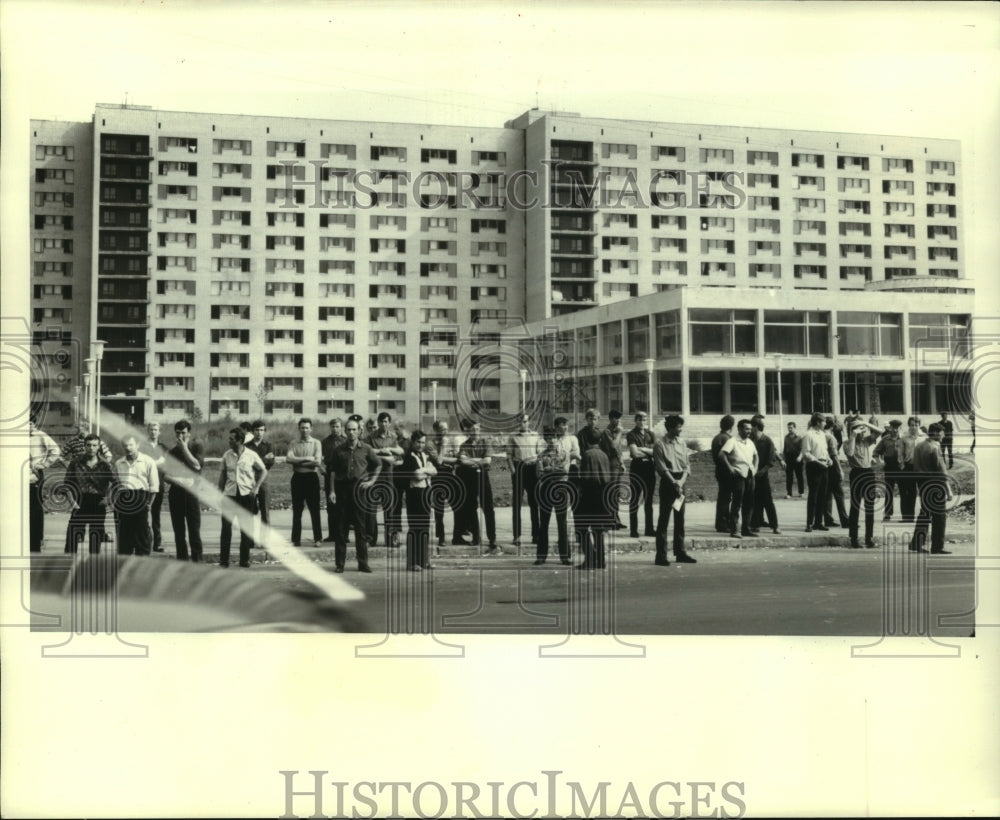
<point x="281" y="266"/>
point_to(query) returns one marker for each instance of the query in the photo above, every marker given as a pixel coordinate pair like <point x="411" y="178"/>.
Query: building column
<point x="761" y="389"/>
<point x="835" y="390"/>
<point x="685" y="390"/>
<point x="909" y="359"/>
<point x="907" y="390"/>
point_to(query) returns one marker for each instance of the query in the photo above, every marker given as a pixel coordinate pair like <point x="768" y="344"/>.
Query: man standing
<point x="266" y="452"/>
<point x="138" y="483"/>
<point x="42" y="452"/>
<point x="671" y="462"/>
<point x="947" y="438"/>
<point x="857" y="448"/>
<point x="905" y="446"/>
<point x="722" y="474"/>
<point x="389" y="449"/>
<point x="886" y="450"/>
<point x="793" y="465"/>
<point x="443" y="453"/>
<point x="835" y="475"/>
<point x="355" y="470"/>
<point x="640" y="442"/>
<point x="816" y="455"/>
<point x="419" y="471"/>
<point x="305" y="456"/>
<point x="739" y="456"/>
<point x="931" y="477"/>
<point x="593" y="508"/>
<point x="474" y="472"/>
<point x="157" y="451"/>
<point x="75" y="446"/>
<point x="185" y="511"/>
<point x="240" y="477"/>
<point x="89" y="479"/>
<point x="329" y="444"/>
<point x="523" y="449"/>
<point x="767" y="457"/>
<point x="561" y="451"/>
<point x="611" y="444"/>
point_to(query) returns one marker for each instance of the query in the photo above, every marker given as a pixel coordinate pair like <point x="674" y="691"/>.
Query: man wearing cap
<point x="931" y="477"/>
<point x="886" y="450"/>
<point x="611" y="444"/>
<point x="670" y="458"/>
<point x="523" y="448"/>
<point x="642" y="473"/>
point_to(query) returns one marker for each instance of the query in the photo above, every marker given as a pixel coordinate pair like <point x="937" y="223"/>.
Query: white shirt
<point x="744" y="455"/>
<point x="240" y="475"/>
<point x="140" y="474"/>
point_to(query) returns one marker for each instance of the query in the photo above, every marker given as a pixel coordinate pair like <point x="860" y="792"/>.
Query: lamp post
<point x="85" y="407"/>
<point x="76" y="404"/>
<point x="777" y="365"/>
<point x="524" y="384"/>
<point x="434" y="400"/>
<point x="97" y="346"/>
<point x="91" y="381"/>
<point x="649" y="386"/>
<point x="376" y="405"/>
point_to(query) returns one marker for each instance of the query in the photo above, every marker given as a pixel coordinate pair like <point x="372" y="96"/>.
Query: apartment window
<point x="431" y="154"/>
<point x="290" y="242"/>
<point x="941" y="167"/>
<point x="762" y="180"/>
<point x="819" y="183"/>
<point x="762" y="158"/>
<point x="809" y="247"/>
<point x="768" y="203"/>
<point x="807" y="226"/>
<point x="899" y="230"/>
<point x="942" y="232"/>
<point x="715" y="155"/>
<point x="378" y="221"/>
<point x="285" y="335"/>
<point x="722" y="332"/>
<point x="855" y="185"/>
<point x="869" y="334"/>
<point x="863" y="228"/>
<point x="167" y="359"/>
<point x="718" y="246"/>
<point x="288" y="265"/>
<point x="950" y="273"/>
<point x="480" y="270"/>
<point x="895" y="164"/>
<point x="336" y="312"/>
<point x="940" y="209"/>
<point x="669" y="151"/>
<point x="498" y="248"/>
<point x="854" y="206"/>
<point x="478" y="225"/>
<point x="865" y="389"/>
<point x="397" y="245"/>
<point x="759" y="269"/>
<point x="899" y="209"/>
<point x="497" y="157"/>
<point x="336" y="290"/>
<point x="379" y="152"/>
<point x="340" y="243"/>
<point x="487" y="293"/>
<point x="848" y="271"/>
<point x="896" y="273"/>
<point x="809" y="270"/>
<point x="242" y="146"/>
<point x="942" y="253"/>
<point x="230" y="335"/>
<point x="297" y="220"/>
<point x="618" y="149"/>
<point x="669" y="221"/>
<point x="940" y="330"/>
<point x="277" y="360"/>
<point x="54" y="175"/>
<point x="344" y="220"/>
<point x="706" y="394"/>
<point x="282" y="289"/>
<point x="893" y="186"/>
<point x="858" y="163"/>
<point x="722" y="223"/>
<point x="815" y="160"/>
<point x="941" y="188"/>
<point x="854" y="249"/>
<point x="900" y="251"/>
<point x="763" y="225"/>
<point x="229" y="359"/>
<point x="337" y="149"/>
<point x="772" y="248"/>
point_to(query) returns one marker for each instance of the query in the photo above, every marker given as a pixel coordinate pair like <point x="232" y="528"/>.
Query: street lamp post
<point x="85" y="407"/>
<point x="97" y="345"/>
<point x="76" y="404"/>
<point x="376" y="405"/>
<point x="434" y="400"/>
<point x="91" y="380"/>
<point x="524" y="383"/>
<point x="649" y="386"/>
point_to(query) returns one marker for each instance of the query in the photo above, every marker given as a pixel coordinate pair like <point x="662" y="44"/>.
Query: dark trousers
<point x="643" y="481"/>
<point x="524" y="480"/>
<point x="331" y="509"/>
<point x="350" y="514"/>
<point x="305" y="493"/>
<point x="244" y="520"/>
<point x="391" y="503"/>
<point x="742" y="488"/>
<point x="933" y="492"/>
<point x="444" y="490"/>
<point x="907" y="493"/>
<point x="263" y="502"/>
<point x="132" y="516"/>
<point x="418" y="526"/>
<point x="763" y="502"/>
<point x="185" y="513"/>
<point x="946" y="447"/>
<point x="793" y="468"/>
<point x="36" y="516"/>
<point x="816" y="480"/>
<point x="668" y="495"/>
<point x="155" y="506"/>
<point x="835" y="493"/>
<point x="891" y="478"/>
<point x="862" y="492"/>
<point x="478" y="495"/>
<point x="553" y="497"/>
<point x="722" y="478"/>
<point x="92" y="513"/>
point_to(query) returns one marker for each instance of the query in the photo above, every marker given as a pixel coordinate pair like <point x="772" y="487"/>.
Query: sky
<point x="917" y="69"/>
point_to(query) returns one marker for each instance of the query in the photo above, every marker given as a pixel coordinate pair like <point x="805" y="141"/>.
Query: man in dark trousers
<point x="767" y="455"/>
<point x="389" y="448"/>
<point x="931" y="477"/>
<point x="739" y="457"/>
<point x="305" y="457"/>
<point x="722" y="475"/>
<point x="156" y="450"/>
<point x="442" y="449"/>
<point x="89" y="479"/>
<point x="857" y="447"/>
<point x="835" y="474"/>
<point x="185" y="511"/>
<point x="240" y="476"/>
<point x="329" y="444"/>
<point x="355" y="470"/>
<point x="138" y="482"/>
<point x="886" y="450"/>
<point x="640" y="440"/>
<point x="523" y="448"/>
<point x="947" y="438"/>
<point x="793" y="465"/>
<point x="671" y="462"/>
<point x="611" y="444"/>
<point x="474" y="472"/>
<point x="266" y="452"/>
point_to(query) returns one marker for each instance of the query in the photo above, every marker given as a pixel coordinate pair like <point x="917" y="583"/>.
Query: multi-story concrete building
<point x="283" y="266"/>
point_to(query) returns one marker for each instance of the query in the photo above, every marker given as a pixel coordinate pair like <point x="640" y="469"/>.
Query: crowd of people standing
<point x="362" y="469"/>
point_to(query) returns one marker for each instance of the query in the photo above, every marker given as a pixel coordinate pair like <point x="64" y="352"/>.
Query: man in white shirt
<point x="553" y="468"/>
<point x="240" y="476"/>
<point x="739" y="455"/>
<point x="523" y="449"/>
<point x="138" y="483"/>
<point x="42" y="453"/>
<point x="816" y="456"/>
<point x="306" y="457"/>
